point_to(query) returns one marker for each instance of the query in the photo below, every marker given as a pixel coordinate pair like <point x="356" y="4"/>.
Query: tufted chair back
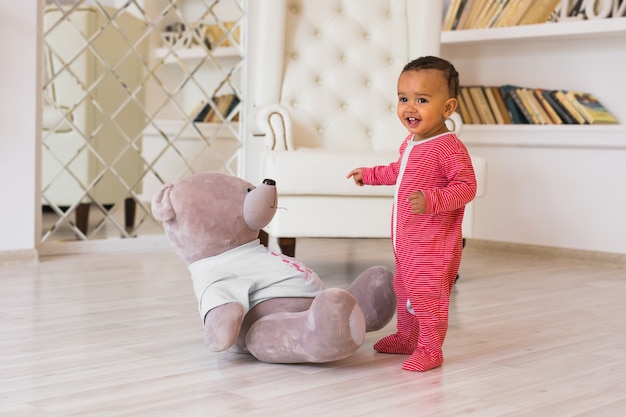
<point x="342" y="60"/>
<point x="322" y="90"/>
<point x="333" y="66"/>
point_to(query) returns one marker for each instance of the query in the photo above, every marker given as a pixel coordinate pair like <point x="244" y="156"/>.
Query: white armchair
<point x="92" y="114"/>
<point x="323" y="93"/>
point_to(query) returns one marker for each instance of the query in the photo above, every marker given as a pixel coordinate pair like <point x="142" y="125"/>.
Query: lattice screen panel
<point x="137" y="93"/>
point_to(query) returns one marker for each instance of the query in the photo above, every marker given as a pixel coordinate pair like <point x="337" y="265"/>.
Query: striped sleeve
<point x="385" y="174"/>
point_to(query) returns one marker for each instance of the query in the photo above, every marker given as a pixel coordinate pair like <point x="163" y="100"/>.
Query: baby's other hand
<point x="418" y="202"/>
<point x="356" y="176"/>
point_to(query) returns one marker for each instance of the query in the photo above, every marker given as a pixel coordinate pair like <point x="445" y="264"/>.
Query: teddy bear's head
<point x="209" y="213"/>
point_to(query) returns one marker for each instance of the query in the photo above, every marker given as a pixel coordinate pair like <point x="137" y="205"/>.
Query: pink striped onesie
<point x="427" y="247"/>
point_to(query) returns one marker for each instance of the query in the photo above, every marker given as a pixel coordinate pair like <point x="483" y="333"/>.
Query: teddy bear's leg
<point x="222" y="325"/>
<point x="373" y="290"/>
<point x="332" y="328"/>
<point x="274" y="305"/>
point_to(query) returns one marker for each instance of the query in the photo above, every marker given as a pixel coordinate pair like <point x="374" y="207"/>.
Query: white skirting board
<point x="18" y="257"/>
<point x="573" y="255"/>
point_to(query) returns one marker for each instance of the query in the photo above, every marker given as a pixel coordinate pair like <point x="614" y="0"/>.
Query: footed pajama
<point x="427" y="247"/>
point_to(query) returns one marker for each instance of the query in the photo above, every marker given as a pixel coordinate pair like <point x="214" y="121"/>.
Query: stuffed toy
<point x="252" y="299"/>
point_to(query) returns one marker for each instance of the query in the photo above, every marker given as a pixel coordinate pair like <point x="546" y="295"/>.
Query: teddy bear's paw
<point x="333" y="328"/>
<point x="373" y="290"/>
<point x="222" y="325"/>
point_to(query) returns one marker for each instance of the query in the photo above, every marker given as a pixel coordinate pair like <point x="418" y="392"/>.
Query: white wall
<point x="548" y="194"/>
<point x="18" y="125"/>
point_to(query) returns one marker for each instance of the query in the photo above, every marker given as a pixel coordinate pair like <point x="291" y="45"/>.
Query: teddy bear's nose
<point x="269" y="181"/>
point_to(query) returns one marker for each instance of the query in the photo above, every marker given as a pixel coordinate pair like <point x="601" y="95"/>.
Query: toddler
<point x="434" y="180"/>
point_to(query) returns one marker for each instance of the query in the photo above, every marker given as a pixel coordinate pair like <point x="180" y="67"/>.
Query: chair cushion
<point x="322" y="172"/>
<point x="309" y="171"/>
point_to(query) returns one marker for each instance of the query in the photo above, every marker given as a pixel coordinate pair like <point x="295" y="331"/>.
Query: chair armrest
<point x="274" y="122"/>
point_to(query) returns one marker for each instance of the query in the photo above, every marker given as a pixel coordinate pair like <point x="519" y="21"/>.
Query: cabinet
<point x="187" y="74"/>
<point x="550" y="185"/>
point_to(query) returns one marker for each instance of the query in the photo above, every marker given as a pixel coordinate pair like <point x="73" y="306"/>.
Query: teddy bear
<point x="255" y="300"/>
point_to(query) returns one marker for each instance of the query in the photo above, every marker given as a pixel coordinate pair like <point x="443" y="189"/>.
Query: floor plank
<point x="117" y="334"/>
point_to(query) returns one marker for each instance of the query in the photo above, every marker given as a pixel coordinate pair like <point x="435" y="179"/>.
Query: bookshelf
<point x="196" y="53"/>
<point x="569" y="30"/>
<point x="573" y="55"/>
<point x="550" y="185"/>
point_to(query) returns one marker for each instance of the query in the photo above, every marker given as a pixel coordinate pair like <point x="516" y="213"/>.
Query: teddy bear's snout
<point x="260" y="205"/>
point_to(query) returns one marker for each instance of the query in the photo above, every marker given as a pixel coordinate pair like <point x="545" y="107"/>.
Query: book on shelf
<point x="590" y="108"/>
<point x="199" y="115"/>
<point x="539" y="113"/>
<point x="493" y="104"/>
<point x="519" y="101"/>
<point x="471" y="107"/>
<point x="497" y="93"/>
<point x="482" y="106"/>
<point x="559" y="96"/>
<point x="514" y="104"/>
<point x="514" y="109"/>
<point x="539" y="12"/>
<point x="498" y="12"/>
<point x="451" y="16"/>
<point x="565" y="115"/>
<point x="507" y="13"/>
<point x="233" y="108"/>
<point x="480" y="14"/>
<point x="490" y="13"/>
<point x="518" y="13"/>
<point x="195" y="113"/>
<point x="553" y="116"/>
<point x="457" y="18"/>
<point x="461" y="21"/>
<point x="522" y="100"/>
<point x="468" y="19"/>
<point x="223" y="105"/>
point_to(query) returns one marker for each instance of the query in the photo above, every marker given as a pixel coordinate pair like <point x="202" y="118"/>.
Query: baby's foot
<point x="422" y="361"/>
<point x="395" y="344"/>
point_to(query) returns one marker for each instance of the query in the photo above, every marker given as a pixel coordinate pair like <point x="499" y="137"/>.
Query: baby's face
<point x="424" y="102"/>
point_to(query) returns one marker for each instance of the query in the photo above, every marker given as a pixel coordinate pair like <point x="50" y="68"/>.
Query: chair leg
<point x="82" y="217"/>
<point x="457" y="275"/>
<point x="287" y="246"/>
<point x="264" y="238"/>
<point x="130" y="208"/>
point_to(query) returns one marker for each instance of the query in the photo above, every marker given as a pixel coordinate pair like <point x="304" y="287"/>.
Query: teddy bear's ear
<point x="162" y="205"/>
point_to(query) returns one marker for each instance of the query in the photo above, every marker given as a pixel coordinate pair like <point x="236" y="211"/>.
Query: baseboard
<point x="18" y="257"/>
<point x="537" y="251"/>
<point x="103" y="245"/>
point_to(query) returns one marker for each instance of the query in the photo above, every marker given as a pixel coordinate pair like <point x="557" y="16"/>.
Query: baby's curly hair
<point x="432" y="62"/>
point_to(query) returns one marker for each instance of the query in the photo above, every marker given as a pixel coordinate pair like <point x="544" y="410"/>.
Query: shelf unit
<point x="174" y="145"/>
<point x="195" y="53"/>
<point x="551" y="55"/>
<point x="549" y="185"/>
<point x="568" y="29"/>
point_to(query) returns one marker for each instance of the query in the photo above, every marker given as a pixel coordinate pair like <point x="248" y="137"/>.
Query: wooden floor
<point x="117" y="334"/>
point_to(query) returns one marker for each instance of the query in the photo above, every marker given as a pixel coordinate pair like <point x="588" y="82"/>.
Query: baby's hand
<point x="418" y="202"/>
<point x="356" y="175"/>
